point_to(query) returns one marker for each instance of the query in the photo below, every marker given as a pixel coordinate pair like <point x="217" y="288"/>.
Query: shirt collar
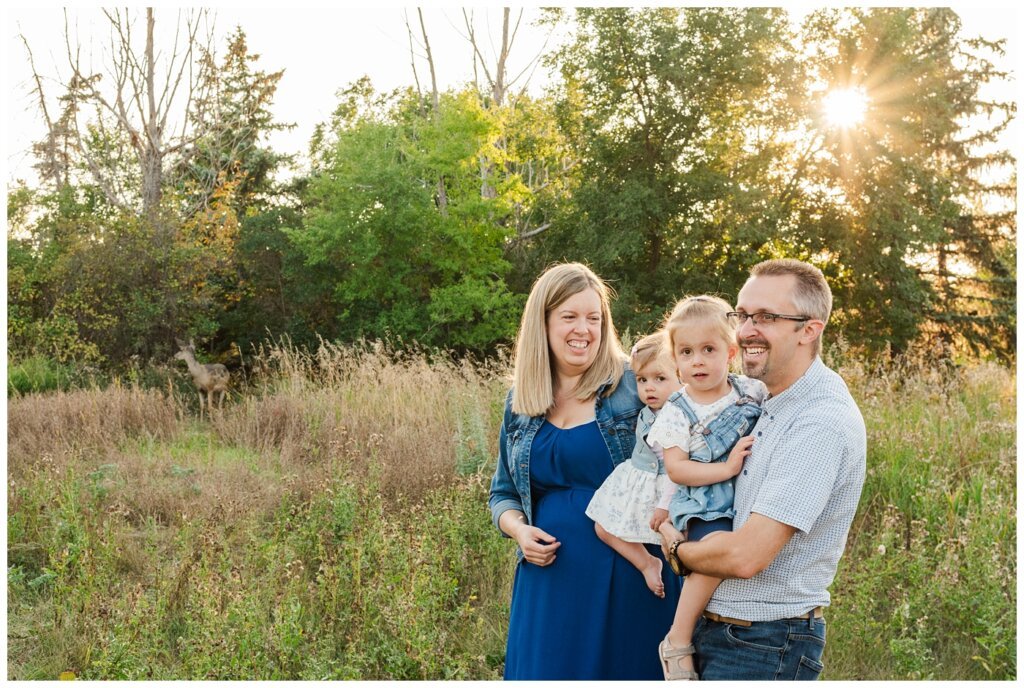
<point x="799" y="390"/>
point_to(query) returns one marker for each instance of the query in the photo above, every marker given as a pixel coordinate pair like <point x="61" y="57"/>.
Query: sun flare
<point x="845" y="107"/>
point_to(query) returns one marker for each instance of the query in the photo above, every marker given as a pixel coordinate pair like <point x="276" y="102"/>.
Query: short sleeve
<point x="671" y="429"/>
<point x="667" y="490"/>
<point x="755" y="389"/>
<point x="802" y="475"/>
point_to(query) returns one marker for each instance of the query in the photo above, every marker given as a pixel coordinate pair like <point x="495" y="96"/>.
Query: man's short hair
<point x="811" y="296"/>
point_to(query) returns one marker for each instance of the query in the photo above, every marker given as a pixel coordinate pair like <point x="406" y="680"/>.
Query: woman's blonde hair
<point x="693" y="310"/>
<point x="653" y="347"/>
<point x="533" y="372"/>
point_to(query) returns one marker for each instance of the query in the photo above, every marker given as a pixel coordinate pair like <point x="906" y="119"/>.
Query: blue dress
<point x="589" y="614"/>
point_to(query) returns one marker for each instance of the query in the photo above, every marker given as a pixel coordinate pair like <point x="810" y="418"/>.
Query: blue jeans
<point x="786" y="650"/>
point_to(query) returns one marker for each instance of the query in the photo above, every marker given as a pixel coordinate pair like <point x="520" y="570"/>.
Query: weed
<point x="331" y="523"/>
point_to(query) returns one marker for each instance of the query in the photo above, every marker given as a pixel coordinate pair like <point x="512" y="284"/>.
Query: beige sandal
<point x="670" y="664"/>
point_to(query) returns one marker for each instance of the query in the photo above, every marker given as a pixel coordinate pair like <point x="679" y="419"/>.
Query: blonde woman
<point x="579" y="610"/>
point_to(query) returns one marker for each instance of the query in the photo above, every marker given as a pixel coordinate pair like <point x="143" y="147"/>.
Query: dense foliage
<point x="678" y="147"/>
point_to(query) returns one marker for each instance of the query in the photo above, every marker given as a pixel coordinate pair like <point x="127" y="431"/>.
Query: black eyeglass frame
<point x="741" y="318"/>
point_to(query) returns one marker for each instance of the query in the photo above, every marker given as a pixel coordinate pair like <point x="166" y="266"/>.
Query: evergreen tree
<point x="921" y="252"/>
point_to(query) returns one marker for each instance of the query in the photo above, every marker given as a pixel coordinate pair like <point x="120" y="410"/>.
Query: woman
<point x="579" y="610"/>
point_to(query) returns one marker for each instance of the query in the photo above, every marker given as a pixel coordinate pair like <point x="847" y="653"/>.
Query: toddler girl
<point x="700" y="429"/>
<point x="633" y="501"/>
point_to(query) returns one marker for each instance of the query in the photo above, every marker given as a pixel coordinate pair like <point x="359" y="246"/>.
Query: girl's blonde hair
<point x="652" y="348"/>
<point x="694" y="310"/>
<point x="533" y="372"/>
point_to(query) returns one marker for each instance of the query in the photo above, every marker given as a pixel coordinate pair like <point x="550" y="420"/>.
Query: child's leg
<point x="637" y="555"/>
<point x="697" y="591"/>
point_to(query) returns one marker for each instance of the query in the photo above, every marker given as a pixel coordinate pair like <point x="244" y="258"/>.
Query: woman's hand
<point x="739" y="452"/>
<point x="538" y="547"/>
<point x="659" y="517"/>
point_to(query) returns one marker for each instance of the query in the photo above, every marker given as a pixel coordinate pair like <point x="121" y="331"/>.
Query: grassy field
<point x="331" y="522"/>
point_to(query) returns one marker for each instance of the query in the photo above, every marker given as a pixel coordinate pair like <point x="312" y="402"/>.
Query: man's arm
<point x="743" y="553"/>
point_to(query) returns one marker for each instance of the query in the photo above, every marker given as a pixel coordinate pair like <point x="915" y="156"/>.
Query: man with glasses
<point x="795" y="497"/>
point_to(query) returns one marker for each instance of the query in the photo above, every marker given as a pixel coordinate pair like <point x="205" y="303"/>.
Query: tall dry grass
<point x="73" y="423"/>
<point x="338" y="497"/>
<point x="411" y="420"/>
<point x="414" y="419"/>
<point x="331" y="522"/>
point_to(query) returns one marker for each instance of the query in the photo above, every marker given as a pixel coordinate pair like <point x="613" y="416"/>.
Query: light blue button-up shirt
<point x="806" y="470"/>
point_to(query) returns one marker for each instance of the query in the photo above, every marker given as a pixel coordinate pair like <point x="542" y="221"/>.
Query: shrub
<point x="37" y="374"/>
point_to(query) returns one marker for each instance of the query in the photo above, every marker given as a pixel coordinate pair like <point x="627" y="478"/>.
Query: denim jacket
<point x="709" y="502"/>
<point x="510" y="487"/>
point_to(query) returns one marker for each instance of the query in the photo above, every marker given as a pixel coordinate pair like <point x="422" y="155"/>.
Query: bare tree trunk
<point x="132" y="105"/>
<point x="498" y="88"/>
<point x="152" y="156"/>
<point x="442" y="193"/>
<point x="497" y="84"/>
<point x="412" y="61"/>
<point x="945" y="288"/>
<point x="430" y="61"/>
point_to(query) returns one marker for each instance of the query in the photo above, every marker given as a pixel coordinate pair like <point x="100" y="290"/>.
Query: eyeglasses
<point x="738" y="318"/>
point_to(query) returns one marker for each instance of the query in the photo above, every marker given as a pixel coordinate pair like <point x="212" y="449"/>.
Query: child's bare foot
<point x="669" y="533"/>
<point x="652" y="575"/>
<point x="669" y="537"/>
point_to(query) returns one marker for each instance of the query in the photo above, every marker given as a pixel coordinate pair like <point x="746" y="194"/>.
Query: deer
<point x="208" y="377"/>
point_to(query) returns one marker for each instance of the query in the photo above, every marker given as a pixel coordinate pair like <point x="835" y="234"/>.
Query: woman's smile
<point x="574" y="332"/>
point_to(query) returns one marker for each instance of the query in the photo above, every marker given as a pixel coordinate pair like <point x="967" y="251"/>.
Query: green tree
<point x="677" y="117"/>
<point x="90" y="283"/>
<point x="229" y="183"/>
<point x="107" y="269"/>
<point x="235" y="121"/>
<point x="401" y="260"/>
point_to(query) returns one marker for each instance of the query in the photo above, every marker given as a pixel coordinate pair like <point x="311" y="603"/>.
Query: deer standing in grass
<point x="208" y="377"/>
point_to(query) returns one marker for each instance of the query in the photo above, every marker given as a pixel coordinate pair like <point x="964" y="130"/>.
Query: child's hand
<point x="659" y="517"/>
<point x="740" y="452"/>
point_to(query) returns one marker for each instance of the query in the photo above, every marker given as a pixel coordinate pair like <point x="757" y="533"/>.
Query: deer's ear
<point x="181" y="344"/>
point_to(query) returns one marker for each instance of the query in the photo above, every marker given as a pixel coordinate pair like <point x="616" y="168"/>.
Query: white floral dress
<point x="626" y="500"/>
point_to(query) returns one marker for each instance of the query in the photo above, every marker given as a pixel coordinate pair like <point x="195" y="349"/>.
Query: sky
<point x="324" y="49"/>
<point x="321" y="51"/>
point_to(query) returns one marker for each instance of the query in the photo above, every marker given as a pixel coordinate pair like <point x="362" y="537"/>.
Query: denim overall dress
<point x="710" y="442"/>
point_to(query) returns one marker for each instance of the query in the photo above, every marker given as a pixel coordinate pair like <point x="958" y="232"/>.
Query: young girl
<point x="700" y="429"/>
<point x="633" y="501"/>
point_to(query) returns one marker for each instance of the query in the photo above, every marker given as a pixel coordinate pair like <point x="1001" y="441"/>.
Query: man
<point x="795" y="497"/>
